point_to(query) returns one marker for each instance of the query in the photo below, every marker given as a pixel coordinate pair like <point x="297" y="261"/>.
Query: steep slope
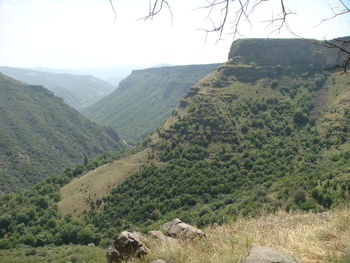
<point x="77" y="91"/>
<point x="40" y="135"/>
<point x="247" y="139"/>
<point x="146" y="99"/>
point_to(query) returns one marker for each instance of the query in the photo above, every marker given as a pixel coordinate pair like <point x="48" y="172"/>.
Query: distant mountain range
<point x="76" y="90"/>
<point x="41" y="135"/>
<point x="145" y="99"/>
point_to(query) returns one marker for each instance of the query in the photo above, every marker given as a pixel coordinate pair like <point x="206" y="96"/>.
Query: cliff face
<point x="298" y="54"/>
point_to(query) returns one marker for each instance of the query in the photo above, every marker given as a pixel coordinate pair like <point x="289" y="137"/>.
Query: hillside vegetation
<point x="311" y="237"/>
<point x="145" y="99"/>
<point x="77" y="91"/>
<point x="40" y="135"/>
<point x="246" y="141"/>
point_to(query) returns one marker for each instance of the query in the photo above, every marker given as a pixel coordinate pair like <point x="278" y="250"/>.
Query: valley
<point x="254" y="150"/>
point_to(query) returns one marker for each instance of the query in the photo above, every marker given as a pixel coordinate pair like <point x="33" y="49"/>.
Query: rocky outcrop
<point x="159" y="261"/>
<point x="259" y="254"/>
<point x="126" y="245"/>
<point x="163" y="238"/>
<point x="178" y="229"/>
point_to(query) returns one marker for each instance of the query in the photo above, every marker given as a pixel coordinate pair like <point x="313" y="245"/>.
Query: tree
<point x="234" y="12"/>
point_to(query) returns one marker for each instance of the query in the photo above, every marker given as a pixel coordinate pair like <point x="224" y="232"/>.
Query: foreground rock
<point x="163" y="238"/>
<point x="177" y="228"/>
<point x="259" y="254"/>
<point x="127" y="245"/>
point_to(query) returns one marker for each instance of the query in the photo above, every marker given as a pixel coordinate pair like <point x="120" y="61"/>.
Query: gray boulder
<point x="127" y="245"/>
<point x="177" y="228"/>
<point x="259" y="254"/>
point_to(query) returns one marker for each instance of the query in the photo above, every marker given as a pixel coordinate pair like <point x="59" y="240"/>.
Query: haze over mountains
<point x="76" y="90"/>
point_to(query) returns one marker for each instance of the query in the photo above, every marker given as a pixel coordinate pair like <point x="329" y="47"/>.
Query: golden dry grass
<point x="311" y="237"/>
<point x="98" y="183"/>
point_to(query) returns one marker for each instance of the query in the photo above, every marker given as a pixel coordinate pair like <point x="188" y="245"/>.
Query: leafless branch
<point x="115" y="14"/>
<point x="280" y="20"/>
<point x="342" y="46"/>
<point x="156" y="7"/>
<point x="337" y="13"/>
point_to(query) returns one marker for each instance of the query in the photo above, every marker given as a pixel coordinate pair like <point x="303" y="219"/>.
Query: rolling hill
<point x="145" y="99"/>
<point x="41" y="135"/>
<point x="77" y="91"/>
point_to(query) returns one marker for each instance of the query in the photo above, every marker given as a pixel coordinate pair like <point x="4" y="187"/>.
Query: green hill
<point x="145" y="99"/>
<point x="77" y="91"/>
<point x="247" y="140"/>
<point x="40" y="135"/>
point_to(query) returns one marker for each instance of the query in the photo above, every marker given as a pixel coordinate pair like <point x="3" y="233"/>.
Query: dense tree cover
<point x="40" y="135"/>
<point x="145" y="99"/>
<point x="30" y="217"/>
<point x="240" y="150"/>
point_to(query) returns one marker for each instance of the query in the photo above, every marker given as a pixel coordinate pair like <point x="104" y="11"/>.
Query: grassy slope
<point x="311" y="237"/>
<point x="40" y="135"/>
<point x="146" y="99"/>
<point x="77" y="91"/>
<point x="97" y="184"/>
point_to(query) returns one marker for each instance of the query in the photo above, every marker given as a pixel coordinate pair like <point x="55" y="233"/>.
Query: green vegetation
<point x="146" y="99"/>
<point x="40" y="135"/>
<point x="61" y="254"/>
<point x="240" y="150"/>
<point x="239" y="145"/>
<point x="30" y="217"/>
<point x="77" y="91"/>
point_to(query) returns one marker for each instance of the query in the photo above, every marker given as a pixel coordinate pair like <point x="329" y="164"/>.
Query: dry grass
<point x="96" y="184"/>
<point x="311" y="237"/>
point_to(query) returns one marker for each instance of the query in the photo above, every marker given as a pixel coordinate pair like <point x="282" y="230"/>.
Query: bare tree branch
<point x="342" y="46"/>
<point x="234" y="12"/>
<point x="156" y="7"/>
<point x="115" y="14"/>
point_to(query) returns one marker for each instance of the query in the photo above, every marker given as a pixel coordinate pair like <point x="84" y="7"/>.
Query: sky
<point x="70" y="34"/>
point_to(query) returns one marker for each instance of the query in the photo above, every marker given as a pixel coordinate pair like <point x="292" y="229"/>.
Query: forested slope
<point x="246" y="140"/>
<point x="145" y="99"/>
<point x="41" y="135"/>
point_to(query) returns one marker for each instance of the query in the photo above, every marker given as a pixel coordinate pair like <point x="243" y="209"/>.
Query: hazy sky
<point x="81" y="33"/>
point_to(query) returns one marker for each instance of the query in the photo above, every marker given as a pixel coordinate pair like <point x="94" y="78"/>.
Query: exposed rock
<point x="259" y="254"/>
<point x="177" y="228"/>
<point x="125" y="246"/>
<point x="112" y="255"/>
<point x="159" y="261"/>
<point x="163" y="238"/>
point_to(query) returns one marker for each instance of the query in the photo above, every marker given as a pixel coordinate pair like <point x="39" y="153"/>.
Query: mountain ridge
<point x="77" y="91"/>
<point x="39" y="133"/>
<point x="145" y="99"/>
